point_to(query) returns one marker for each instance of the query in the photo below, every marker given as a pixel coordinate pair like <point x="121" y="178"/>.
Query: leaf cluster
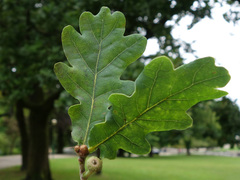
<point x="114" y="113"/>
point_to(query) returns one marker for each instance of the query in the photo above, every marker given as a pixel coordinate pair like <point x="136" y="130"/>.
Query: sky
<point x="213" y="37"/>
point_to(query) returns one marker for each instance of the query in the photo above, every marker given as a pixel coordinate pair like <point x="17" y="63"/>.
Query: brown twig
<point x="82" y="152"/>
<point x="82" y="166"/>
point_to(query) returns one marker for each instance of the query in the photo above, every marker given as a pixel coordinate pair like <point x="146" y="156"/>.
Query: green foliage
<point x="213" y="124"/>
<point x="162" y="94"/>
<point x="205" y="130"/>
<point x="9" y="136"/>
<point x="206" y="122"/>
<point x="159" y="103"/>
<point x="30" y="45"/>
<point x="97" y="57"/>
<point x="30" y="35"/>
<point x="228" y="114"/>
<point x="152" y="17"/>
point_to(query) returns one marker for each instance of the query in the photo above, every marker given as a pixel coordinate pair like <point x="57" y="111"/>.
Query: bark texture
<point x="38" y="162"/>
<point x="23" y="134"/>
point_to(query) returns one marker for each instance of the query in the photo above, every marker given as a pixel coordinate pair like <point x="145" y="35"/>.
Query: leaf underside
<point x="159" y="103"/>
<point x="97" y="57"/>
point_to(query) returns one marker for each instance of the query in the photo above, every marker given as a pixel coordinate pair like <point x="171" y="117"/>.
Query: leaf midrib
<point x="96" y="72"/>
<point x="91" y="149"/>
<point x="94" y="83"/>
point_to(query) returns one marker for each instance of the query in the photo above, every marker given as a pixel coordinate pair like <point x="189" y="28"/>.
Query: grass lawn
<point x="158" y="168"/>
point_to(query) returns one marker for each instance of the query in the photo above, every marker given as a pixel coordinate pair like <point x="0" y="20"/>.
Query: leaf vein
<point x="154" y="82"/>
<point x="129" y="140"/>
<point x="146" y="110"/>
<point x="74" y="44"/>
<point x="116" y="122"/>
<point x="77" y="85"/>
<point x="106" y="93"/>
<point x="94" y="87"/>
<point x="118" y="56"/>
<point x="162" y="120"/>
<point x="195" y="74"/>
<point x="111" y="30"/>
<point x="92" y="30"/>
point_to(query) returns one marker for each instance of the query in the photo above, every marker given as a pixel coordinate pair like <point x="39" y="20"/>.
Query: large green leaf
<point x="98" y="56"/>
<point x="162" y="97"/>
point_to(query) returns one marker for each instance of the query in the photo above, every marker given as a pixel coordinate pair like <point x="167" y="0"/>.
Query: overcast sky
<point x="212" y="37"/>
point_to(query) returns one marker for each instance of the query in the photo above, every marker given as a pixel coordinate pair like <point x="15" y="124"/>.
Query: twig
<point x="82" y="152"/>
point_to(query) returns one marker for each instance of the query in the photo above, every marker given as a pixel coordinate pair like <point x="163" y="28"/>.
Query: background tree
<point x="215" y="123"/>
<point x="205" y="129"/>
<point x="63" y="126"/>
<point x="9" y="135"/>
<point x="7" y="125"/>
<point x="229" y="118"/>
<point x="164" y="139"/>
<point x="30" y="44"/>
<point x="204" y="132"/>
<point x="9" y="132"/>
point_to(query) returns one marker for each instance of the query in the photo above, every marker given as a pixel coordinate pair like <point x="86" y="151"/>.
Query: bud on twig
<point x="83" y="151"/>
<point x="76" y="149"/>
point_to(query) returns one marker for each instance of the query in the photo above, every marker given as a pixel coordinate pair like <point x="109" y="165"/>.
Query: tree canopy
<point x="229" y="118"/>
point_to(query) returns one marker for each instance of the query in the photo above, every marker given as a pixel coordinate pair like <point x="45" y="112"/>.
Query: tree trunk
<point x="151" y="152"/>
<point x="120" y="153"/>
<point x="188" y="146"/>
<point x="60" y="140"/>
<point x="38" y="164"/>
<point x="23" y="134"/>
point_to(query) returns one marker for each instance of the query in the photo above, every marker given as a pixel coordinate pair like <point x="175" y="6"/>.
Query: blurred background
<point x="33" y="106"/>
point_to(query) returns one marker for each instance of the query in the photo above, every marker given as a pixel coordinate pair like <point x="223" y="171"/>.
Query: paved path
<point x="14" y="160"/>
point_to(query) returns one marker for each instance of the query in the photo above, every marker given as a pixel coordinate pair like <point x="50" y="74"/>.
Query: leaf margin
<point x="218" y="92"/>
<point x="59" y="67"/>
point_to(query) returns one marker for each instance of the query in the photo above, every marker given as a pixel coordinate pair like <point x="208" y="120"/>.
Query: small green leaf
<point x="97" y="57"/>
<point x="162" y="97"/>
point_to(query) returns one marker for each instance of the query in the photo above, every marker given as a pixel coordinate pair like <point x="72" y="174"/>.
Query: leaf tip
<point x="223" y="72"/>
<point x="67" y="28"/>
<point x="56" y="67"/>
<point x="104" y="9"/>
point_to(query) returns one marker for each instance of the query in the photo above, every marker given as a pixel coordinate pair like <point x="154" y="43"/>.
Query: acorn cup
<point x="94" y="164"/>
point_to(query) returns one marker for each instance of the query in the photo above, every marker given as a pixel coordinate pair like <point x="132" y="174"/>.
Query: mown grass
<point x="158" y="168"/>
